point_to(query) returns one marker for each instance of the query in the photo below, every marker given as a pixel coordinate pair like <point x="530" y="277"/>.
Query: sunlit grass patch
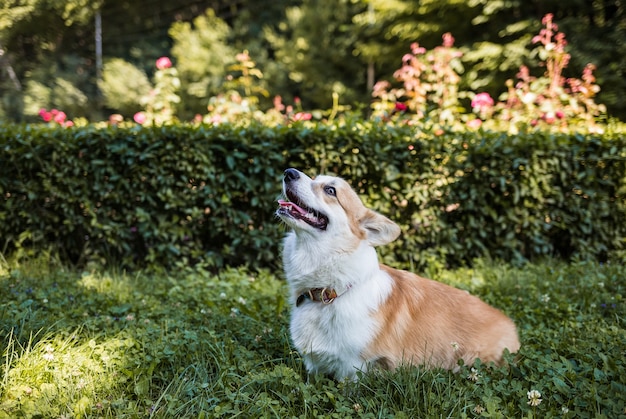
<point x="193" y="344"/>
<point x="54" y="375"/>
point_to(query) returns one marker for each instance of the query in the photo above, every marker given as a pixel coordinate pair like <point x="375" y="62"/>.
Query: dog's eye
<point x="330" y="190"/>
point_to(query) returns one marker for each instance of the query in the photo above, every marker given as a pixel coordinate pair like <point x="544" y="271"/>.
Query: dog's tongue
<point x="290" y="205"/>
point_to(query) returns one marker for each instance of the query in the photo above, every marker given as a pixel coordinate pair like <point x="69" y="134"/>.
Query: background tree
<point x="123" y="86"/>
<point x="305" y="48"/>
<point x="44" y="42"/>
<point x="315" y="45"/>
<point x="203" y="54"/>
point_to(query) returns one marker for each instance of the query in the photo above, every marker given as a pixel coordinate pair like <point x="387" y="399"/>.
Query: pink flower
<point x="216" y="119"/>
<point x="302" y="116"/>
<point x="115" y="119"/>
<point x="416" y="49"/>
<point x="68" y="124"/>
<point x="163" y="63"/>
<point x="407" y="58"/>
<point x="140" y="118"/>
<point x="60" y="117"/>
<point x="588" y="73"/>
<point x="242" y="56"/>
<point x="474" y="123"/>
<point x="278" y="103"/>
<point x="448" y="40"/>
<point x="381" y="86"/>
<point x="547" y="19"/>
<point x="560" y="114"/>
<point x="482" y="101"/>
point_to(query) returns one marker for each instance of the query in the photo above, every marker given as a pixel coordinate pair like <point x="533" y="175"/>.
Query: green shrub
<point x="189" y="193"/>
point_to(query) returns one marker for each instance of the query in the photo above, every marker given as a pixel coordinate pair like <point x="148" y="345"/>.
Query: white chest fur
<point x="332" y="337"/>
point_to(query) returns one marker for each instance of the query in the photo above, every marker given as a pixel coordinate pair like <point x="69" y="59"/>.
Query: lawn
<point x="193" y="344"/>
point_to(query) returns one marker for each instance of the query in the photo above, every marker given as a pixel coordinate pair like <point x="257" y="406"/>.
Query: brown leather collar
<point x="324" y="295"/>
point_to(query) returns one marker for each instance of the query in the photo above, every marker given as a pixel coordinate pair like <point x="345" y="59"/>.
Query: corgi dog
<point x="350" y="313"/>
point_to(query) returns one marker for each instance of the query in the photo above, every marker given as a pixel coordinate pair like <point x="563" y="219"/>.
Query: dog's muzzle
<point x="294" y="208"/>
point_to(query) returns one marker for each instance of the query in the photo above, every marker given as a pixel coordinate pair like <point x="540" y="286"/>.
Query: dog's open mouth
<point x="300" y="212"/>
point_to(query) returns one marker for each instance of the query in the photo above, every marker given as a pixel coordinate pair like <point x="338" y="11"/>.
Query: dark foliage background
<point x="306" y="48"/>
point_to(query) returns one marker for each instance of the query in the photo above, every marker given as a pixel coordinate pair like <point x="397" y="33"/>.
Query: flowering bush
<point x="241" y="102"/>
<point x="482" y="104"/>
<point x="430" y="85"/>
<point x="551" y="102"/>
<point x="426" y="91"/>
<point x="241" y="98"/>
<point x="160" y="102"/>
<point x="55" y="116"/>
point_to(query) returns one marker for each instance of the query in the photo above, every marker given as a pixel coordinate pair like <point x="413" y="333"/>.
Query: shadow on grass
<point x="190" y="344"/>
<point x="119" y="344"/>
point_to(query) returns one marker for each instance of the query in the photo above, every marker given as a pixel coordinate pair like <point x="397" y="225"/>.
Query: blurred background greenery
<point x="96" y="58"/>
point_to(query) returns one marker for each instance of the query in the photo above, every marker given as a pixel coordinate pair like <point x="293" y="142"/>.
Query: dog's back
<point x="427" y="322"/>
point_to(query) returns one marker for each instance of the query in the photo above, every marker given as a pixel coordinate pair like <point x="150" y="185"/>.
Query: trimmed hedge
<point x="183" y="194"/>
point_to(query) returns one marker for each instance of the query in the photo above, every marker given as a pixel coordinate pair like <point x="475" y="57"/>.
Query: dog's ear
<point x="379" y="229"/>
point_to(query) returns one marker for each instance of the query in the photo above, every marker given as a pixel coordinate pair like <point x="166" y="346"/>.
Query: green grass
<point x="191" y="344"/>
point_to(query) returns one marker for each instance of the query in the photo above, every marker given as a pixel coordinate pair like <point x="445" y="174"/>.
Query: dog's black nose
<point x="291" y="175"/>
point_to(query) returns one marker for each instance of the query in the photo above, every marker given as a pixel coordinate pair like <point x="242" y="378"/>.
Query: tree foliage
<point x="306" y="48"/>
<point x="316" y="44"/>
<point x="123" y="85"/>
<point x="203" y="54"/>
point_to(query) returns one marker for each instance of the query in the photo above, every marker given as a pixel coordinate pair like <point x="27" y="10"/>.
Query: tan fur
<point x="430" y="323"/>
<point x="381" y="316"/>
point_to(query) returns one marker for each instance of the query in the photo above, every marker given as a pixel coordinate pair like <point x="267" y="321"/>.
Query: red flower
<point x="400" y="107"/>
<point x="163" y="63"/>
<point x="45" y="115"/>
